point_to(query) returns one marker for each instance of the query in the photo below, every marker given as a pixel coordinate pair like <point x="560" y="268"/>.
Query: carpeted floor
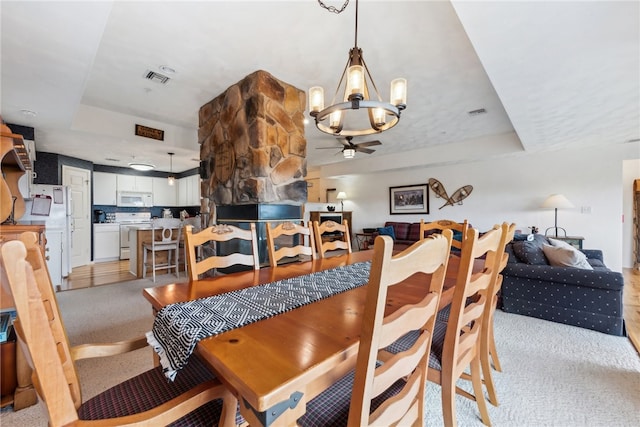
<point x="553" y="375"/>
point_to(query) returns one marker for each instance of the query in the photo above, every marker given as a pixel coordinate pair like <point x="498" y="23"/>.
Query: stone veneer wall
<point x="253" y="148"/>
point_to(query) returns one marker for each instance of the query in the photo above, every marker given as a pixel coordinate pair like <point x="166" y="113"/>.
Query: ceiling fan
<point x="349" y="148"/>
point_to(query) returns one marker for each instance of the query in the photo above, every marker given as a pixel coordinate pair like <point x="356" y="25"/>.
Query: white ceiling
<point x="549" y="74"/>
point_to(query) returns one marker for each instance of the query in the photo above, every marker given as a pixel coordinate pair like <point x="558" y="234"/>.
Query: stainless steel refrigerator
<point x="52" y="204"/>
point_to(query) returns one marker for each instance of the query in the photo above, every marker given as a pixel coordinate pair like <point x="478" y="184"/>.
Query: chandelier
<point x="361" y="110"/>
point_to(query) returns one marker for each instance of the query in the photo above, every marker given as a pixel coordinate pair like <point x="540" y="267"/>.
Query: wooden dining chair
<point x="163" y="239"/>
<point x="457" y="341"/>
<point x="196" y="397"/>
<point x="182" y="247"/>
<point x="461" y="347"/>
<point x="331" y="236"/>
<point x="298" y="247"/>
<point x="220" y="233"/>
<point x="489" y="352"/>
<point x="459" y="229"/>
<point x="393" y="392"/>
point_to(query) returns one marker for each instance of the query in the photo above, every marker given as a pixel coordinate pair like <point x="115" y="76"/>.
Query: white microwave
<point x="135" y="200"/>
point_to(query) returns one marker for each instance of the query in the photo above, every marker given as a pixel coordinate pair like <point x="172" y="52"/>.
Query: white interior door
<point x="79" y="181"/>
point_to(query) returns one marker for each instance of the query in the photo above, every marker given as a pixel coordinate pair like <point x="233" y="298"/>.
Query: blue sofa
<point x="589" y="299"/>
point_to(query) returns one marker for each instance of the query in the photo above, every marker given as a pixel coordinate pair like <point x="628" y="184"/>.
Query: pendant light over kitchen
<point x="171" y="179"/>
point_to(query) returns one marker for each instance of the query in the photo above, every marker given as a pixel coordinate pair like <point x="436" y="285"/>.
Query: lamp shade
<point x="341" y="195"/>
<point x="557" y="201"/>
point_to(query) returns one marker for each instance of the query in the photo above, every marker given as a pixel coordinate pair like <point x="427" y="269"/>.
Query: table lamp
<point x="556" y="201"/>
<point x="341" y="196"/>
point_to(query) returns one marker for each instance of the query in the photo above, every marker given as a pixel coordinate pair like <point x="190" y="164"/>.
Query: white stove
<point x="126" y="221"/>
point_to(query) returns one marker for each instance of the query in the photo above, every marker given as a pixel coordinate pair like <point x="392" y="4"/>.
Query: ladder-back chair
<point x="288" y="228"/>
<point x="391" y="393"/>
<point x="220" y="233"/>
<point x="331" y="236"/>
<point x="459" y="229"/>
<point x="193" y="398"/>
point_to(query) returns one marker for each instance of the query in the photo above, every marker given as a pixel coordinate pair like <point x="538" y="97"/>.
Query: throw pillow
<point x="561" y="256"/>
<point x="529" y="252"/>
<point x="559" y="243"/>
<point x="387" y="231"/>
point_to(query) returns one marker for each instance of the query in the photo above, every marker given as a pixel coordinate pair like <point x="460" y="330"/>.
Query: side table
<point x="362" y="240"/>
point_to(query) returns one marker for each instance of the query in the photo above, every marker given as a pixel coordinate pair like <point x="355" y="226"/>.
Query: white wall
<point x="511" y="189"/>
<point x="630" y="172"/>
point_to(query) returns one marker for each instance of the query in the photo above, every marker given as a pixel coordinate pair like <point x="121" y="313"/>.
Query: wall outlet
<point x="585" y="209"/>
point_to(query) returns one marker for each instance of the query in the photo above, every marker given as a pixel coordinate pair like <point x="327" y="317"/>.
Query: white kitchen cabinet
<point x="140" y="184"/>
<point x="189" y="191"/>
<point x="106" y="242"/>
<point x="104" y="188"/>
<point x="164" y="194"/>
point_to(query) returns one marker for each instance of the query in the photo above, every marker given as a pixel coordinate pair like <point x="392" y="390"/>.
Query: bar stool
<point x="166" y="243"/>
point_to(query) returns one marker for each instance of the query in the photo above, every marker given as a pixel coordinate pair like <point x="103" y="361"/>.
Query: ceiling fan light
<point x="171" y="180"/>
<point x="316" y="99"/>
<point x="349" y="153"/>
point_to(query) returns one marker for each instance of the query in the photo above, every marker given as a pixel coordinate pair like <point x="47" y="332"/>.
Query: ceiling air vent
<point x="156" y="77"/>
<point x="477" y="112"/>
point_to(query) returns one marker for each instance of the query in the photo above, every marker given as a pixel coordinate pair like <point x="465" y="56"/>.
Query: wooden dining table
<point x="277" y="364"/>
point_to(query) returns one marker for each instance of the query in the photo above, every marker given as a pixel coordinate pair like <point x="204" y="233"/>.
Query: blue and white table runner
<point x="178" y="327"/>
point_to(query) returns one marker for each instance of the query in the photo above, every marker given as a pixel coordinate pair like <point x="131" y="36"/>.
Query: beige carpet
<point x="554" y="375"/>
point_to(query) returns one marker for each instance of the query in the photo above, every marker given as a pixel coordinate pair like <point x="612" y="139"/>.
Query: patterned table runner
<point x="178" y="327"/>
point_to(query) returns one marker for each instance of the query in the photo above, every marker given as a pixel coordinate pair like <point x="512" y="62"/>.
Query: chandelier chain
<point x="333" y="8"/>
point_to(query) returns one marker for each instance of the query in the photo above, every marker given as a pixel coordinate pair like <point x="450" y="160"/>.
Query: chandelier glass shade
<point x="171" y="179"/>
<point x="360" y="110"/>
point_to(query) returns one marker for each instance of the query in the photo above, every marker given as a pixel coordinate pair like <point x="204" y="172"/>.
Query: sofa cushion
<point x="400" y="229"/>
<point x="561" y="256"/>
<point x="530" y="252"/>
<point x="387" y="231"/>
<point x="414" y="232"/>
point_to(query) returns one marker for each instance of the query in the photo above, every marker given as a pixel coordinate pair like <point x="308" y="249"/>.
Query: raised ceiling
<point x="548" y="74"/>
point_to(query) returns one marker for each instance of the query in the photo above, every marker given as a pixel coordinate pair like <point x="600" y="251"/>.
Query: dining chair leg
<point x="144" y="263"/>
<point x="487" y="376"/>
<point x="493" y="352"/>
<point x="476" y="379"/>
<point x="153" y="266"/>
<point x="449" y="403"/>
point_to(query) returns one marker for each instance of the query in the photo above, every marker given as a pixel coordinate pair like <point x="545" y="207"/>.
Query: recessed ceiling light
<point x="167" y="69"/>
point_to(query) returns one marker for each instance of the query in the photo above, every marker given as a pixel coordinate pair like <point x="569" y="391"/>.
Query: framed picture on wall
<point x="409" y="199"/>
